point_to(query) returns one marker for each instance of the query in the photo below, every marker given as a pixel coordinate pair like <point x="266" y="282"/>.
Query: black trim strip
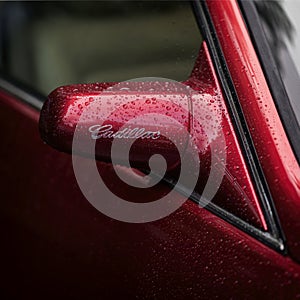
<point x="31" y="98"/>
<point x="274" y="237"/>
<point x="272" y="74"/>
<point x="263" y="236"/>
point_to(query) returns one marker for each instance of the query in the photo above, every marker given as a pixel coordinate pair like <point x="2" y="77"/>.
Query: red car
<point x="228" y="228"/>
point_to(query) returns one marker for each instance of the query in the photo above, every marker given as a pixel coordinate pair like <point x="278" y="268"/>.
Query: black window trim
<point x="22" y="92"/>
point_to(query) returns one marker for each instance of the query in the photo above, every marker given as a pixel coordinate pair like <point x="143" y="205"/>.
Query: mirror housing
<point x="148" y="116"/>
<point x="152" y="115"/>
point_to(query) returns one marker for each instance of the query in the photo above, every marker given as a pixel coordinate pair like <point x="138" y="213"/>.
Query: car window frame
<point x="274" y="237"/>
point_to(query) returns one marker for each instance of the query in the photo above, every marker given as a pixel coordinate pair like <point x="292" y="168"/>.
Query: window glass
<point x="281" y="23"/>
<point x="48" y="44"/>
<point x="292" y="8"/>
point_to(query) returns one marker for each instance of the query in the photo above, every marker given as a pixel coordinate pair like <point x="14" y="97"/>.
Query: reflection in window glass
<point x="281" y="24"/>
<point x="48" y="44"/>
<point x="292" y="8"/>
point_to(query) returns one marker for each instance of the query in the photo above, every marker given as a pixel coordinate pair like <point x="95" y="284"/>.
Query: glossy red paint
<point x="107" y="107"/>
<point x="279" y="164"/>
<point x="198" y="107"/>
<point x="55" y="244"/>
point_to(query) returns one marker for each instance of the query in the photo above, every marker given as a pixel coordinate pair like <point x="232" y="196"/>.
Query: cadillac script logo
<point x="106" y="132"/>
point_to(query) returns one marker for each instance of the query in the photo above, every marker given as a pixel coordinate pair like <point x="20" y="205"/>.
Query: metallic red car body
<point x="270" y="140"/>
<point x="54" y="243"/>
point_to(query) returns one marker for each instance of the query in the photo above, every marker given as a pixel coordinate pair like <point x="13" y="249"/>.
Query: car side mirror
<point x="149" y="117"/>
<point x="142" y="117"/>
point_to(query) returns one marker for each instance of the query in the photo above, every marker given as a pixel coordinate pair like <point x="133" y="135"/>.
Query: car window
<point x="292" y="9"/>
<point x="48" y="44"/>
<point x="281" y="25"/>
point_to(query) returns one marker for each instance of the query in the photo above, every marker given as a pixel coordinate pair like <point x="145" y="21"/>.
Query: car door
<point x="55" y="243"/>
